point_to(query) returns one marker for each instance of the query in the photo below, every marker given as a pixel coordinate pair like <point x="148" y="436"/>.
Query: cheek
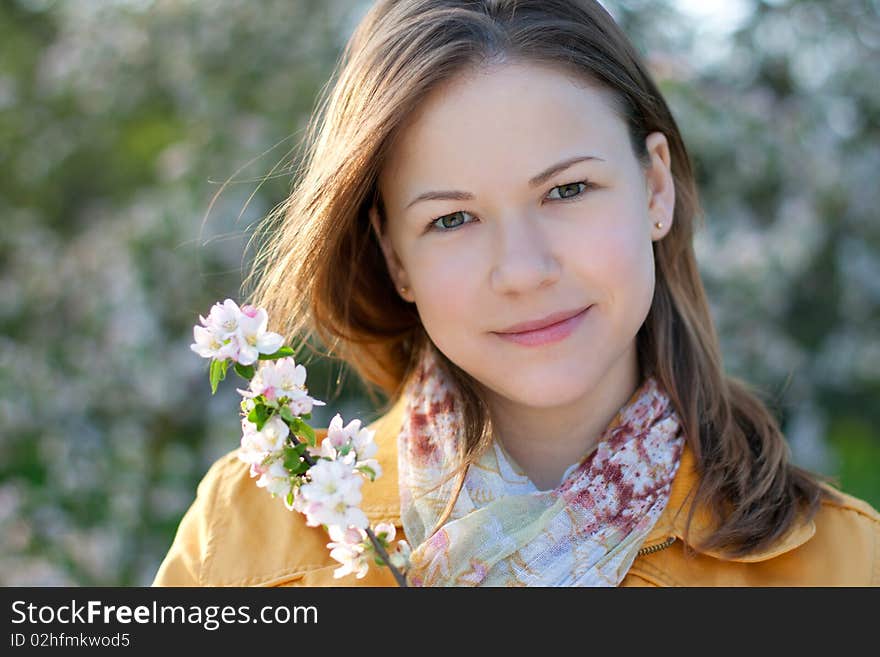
<point x="447" y="285"/>
<point x="616" y="260"/>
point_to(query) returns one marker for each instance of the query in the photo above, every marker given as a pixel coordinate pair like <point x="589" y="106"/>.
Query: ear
<point x="661" y="185"/>
<point x="395" y="268"/>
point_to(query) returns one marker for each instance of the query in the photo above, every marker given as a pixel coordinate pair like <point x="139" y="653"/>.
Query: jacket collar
<point x="674" y="518"/>
<point x="381" y="498"/>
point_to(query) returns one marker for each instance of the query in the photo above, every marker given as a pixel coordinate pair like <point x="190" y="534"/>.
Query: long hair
<point x="321" y="274"/>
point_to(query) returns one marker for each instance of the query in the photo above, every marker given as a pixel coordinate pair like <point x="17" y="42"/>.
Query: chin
<point x="548" y="395"/>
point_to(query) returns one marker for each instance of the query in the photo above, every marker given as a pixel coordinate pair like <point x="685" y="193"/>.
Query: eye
<point x="435" y="224"/>
<point x="570" y="191"/>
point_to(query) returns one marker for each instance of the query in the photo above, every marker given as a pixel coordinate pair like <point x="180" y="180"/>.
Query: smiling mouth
<point x="546" y="322"/>
<point x="546" y="335"/>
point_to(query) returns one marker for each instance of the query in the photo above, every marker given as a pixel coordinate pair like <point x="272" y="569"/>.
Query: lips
<point x="549" y="320"/>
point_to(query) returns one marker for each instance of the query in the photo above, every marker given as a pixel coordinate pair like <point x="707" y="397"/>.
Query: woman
<point x="494" y="227"/>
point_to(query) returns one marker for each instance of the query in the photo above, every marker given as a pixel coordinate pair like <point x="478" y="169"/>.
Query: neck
<point x="545" y="441"/>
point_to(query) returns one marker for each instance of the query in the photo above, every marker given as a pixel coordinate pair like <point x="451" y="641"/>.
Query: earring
<point x="659" y="224"/>
<point x="404" y="289"/>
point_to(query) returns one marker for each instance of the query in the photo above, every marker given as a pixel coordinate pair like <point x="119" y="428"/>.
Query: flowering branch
<point x="321" y="481"/>
<point x="377" y="544"/>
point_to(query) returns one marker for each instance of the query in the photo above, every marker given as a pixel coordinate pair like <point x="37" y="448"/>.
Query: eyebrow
<point x="542" y="177"/>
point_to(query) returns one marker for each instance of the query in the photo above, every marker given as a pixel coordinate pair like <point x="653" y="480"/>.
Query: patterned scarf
<point x="503" y="531"/>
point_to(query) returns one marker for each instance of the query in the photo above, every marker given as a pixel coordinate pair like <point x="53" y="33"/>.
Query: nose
<point x="523" y="259"/>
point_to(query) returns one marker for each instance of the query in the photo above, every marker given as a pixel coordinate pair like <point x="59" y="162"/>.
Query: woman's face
<point x="513" y="246"/>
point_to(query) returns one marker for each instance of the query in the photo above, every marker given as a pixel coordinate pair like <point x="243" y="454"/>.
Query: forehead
<point x="516" y="116"/>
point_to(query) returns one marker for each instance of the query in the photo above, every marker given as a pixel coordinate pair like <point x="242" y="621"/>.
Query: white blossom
<point x="277" y="480"/>
<point x="256" y="446"/>
<point x="208" y="345"/>
<point x="279" y="379"/>
<point x="348" y="548"/>
<point x="359" y="442"/>
<point x="385" y="528"/>
<point x="360" y="438"/>
<point x="239" y="334"/>
<point x="400" y="557"/>
<point x="253" y="338"/>
<point x="325" y="450"/>
<point x="223" y="319"/>
<point x="332" y="495"/>
<point x="364" y="444"/>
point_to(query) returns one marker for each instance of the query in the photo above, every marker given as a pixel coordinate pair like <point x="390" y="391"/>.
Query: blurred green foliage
<point x="142" y="140"/>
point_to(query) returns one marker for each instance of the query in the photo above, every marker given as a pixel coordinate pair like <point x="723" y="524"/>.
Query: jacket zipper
<point x="656" y="547"/>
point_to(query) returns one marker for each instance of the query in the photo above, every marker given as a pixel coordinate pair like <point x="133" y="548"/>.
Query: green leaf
<point x="307" y="432"/>
<point x="217" y="373"/>
<point x="259" y="415"/>
<point x="368" y="471"/>
<point x="290" y="498"/>
<point x="291" y="458"/>
<point x="244" y="371"/>
<point x="306" y="416"/>
<point x="287" y="415"/>
<point x="281" y="353"/>
<point x="293" y="462"/>
<point x="294" y="425"/>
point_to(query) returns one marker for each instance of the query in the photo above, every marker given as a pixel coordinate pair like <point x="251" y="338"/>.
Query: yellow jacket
<point x="236" y="534"/>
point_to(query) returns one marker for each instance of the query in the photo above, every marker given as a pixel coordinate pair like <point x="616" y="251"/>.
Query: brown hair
<point x="321" y="272"/>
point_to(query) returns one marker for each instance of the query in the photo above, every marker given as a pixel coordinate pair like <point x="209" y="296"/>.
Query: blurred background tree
<point x="142" y="140"/>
